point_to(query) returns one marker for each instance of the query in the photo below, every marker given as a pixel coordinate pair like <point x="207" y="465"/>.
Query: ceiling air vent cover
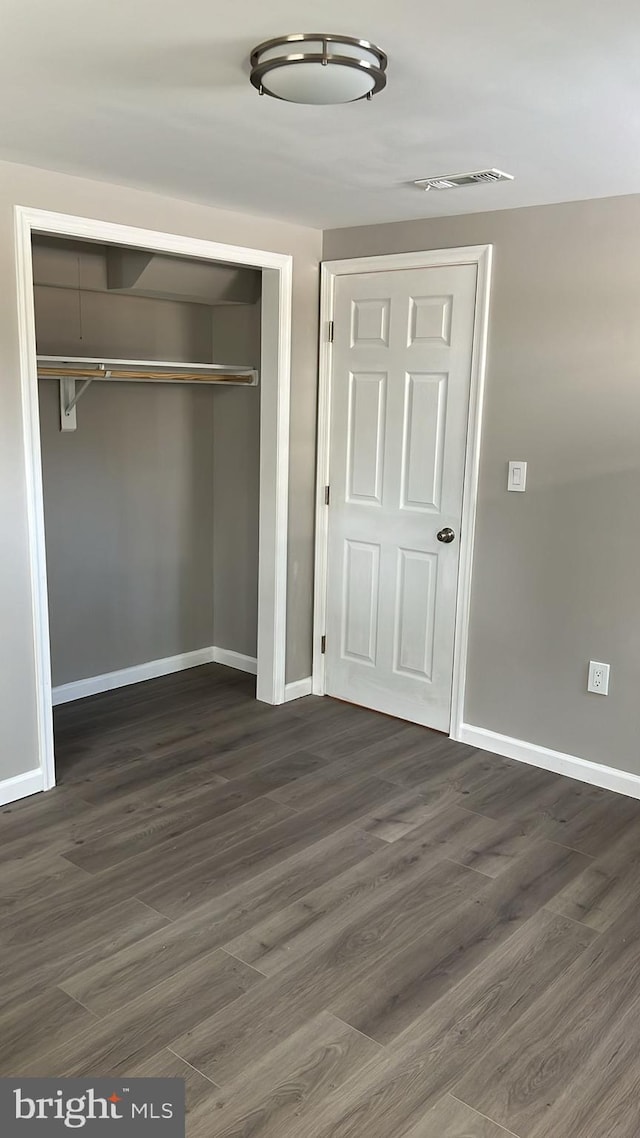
<point x="476" y="178"/>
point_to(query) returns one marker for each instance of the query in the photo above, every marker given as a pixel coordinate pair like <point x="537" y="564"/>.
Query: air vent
<point x="476" y="178"/>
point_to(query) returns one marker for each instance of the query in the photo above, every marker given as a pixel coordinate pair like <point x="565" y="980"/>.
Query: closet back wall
<point x="151" y="505"/>
<point x="129" y="526"/>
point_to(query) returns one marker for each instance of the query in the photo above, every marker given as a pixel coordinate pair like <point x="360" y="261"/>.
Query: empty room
<point x="319" y="761"/>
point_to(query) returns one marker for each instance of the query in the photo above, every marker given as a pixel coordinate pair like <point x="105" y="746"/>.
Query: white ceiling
<point x="155" y="94"/>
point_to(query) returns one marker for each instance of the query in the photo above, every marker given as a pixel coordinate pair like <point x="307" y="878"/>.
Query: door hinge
<point x="330" y="332"/>
<point x="323" y="644"/>
<point x="326" y="495"/>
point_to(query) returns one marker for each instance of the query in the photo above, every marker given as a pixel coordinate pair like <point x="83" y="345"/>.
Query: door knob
<point x="446" y="535"/>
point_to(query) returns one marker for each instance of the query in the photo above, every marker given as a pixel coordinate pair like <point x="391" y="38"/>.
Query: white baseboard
<point x="92" y="685"/>
<point x="235" y="660"/>
<point x="20" y="786"/>
<point x="623" y="782"/>
<point x="297" y="689"/>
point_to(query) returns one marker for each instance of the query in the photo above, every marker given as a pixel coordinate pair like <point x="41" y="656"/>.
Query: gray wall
<point x="127" y="327"/>
<point x="129" y="526"/>
<point x="236" y="484"/>
<point x="556" y="569"/>
<point x="47" y="190"/>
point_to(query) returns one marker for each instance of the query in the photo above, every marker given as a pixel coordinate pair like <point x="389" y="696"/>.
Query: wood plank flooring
<point x="330" y="923"/>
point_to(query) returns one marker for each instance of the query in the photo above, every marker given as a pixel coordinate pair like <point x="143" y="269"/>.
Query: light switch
<point x="517" y="479"/>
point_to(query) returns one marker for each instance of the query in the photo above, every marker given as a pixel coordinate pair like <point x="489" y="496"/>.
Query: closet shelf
<point x="141" y="371"/>
<point x="89" y="369"/>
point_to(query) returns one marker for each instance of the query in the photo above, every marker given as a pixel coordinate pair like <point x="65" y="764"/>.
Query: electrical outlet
<point x="598" y="678"/>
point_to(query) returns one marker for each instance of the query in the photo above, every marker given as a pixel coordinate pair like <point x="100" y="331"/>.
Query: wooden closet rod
<point x="159" y="376"/>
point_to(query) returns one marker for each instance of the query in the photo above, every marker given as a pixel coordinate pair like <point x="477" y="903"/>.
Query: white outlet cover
<point x="598" y="681"/>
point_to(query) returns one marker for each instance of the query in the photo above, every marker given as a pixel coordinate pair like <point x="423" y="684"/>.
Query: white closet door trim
<point x="274" y="483"/>
<point x="274" y="438"/>
<point x="480" y="255"/>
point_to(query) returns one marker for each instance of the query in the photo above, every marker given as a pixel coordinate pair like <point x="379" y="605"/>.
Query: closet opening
<point x="161" y="395"/>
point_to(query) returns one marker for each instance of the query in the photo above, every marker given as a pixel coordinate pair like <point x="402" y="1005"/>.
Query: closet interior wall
<point x="151" y="505"/>
<point x="236" y="485"/>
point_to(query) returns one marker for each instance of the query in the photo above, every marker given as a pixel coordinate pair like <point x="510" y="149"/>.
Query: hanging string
<point x="80" y="330"/>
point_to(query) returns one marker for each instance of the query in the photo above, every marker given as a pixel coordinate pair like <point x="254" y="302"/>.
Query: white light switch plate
<point x="517" y="479"/>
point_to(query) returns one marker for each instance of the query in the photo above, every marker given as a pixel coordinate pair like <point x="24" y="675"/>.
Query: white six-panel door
<point x="399" y="409"/>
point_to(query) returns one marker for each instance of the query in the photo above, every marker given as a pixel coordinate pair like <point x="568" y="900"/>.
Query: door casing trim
<point x="481" y="256"/>
<point x="275" y="379"/>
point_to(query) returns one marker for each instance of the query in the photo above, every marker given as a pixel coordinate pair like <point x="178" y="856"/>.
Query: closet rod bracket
<point x="70" y="394"/>
<point x="68" y="372"/>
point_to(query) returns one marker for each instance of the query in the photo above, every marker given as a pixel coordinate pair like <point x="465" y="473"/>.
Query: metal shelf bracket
<point x="70" y="395"/>
<point x="84" y="371"/>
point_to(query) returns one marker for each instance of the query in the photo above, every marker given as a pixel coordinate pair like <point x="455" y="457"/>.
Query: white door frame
<point x="275" y="379"/>
<point x="480" y="255"/>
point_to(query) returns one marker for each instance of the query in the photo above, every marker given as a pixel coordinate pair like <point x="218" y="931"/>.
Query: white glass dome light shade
<point x="318" y="69"/>
<point x="317" y="83"/>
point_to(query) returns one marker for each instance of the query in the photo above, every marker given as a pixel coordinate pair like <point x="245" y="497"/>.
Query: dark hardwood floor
<point x="330" y="923"/>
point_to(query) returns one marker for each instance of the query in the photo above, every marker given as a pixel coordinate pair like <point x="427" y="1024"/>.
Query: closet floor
<point x="330" y="923"/>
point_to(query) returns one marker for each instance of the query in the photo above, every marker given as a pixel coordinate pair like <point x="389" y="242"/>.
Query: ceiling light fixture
<point x="318" y="69"/>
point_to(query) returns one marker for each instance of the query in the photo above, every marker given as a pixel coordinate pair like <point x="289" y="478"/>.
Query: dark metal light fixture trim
<point x="261" y="67"/>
